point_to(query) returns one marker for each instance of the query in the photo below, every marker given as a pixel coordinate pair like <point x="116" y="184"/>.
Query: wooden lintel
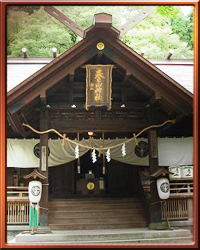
<point x="96" y="125"/>
<point x="79" y="105"/>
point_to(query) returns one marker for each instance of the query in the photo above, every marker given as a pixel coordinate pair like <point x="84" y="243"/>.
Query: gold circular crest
<point x="90" y="186"/>
<point x="100" y="46"/>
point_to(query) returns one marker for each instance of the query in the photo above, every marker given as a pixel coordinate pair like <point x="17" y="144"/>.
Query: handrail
<point x="17" y="193"/>
<point x="18" y="187"/>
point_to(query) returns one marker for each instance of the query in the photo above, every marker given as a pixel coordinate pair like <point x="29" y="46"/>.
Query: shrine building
<point x="101" y="123"/>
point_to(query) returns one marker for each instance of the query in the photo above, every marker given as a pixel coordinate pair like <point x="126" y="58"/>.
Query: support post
<point x="43" y="217"/>
<point x="155" y="205"/>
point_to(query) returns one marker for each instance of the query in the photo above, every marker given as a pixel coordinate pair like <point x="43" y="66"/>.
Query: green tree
<point x="39" y="32"/>
<point x="183" y="26"/>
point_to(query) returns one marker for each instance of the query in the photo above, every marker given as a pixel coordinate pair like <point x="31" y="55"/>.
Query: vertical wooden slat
<point x="12" y="212"/>
<point x="20" y="212"/>
<point x="27" y="218"/>
<point x="8" y="212"/>
<point x="14" y="208"/>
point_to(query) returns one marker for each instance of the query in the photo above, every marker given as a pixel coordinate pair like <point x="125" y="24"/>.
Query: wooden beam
<point x="56" y="77"/>
<point x="74" y="57"/>
<point x="72" y="126"/>
<point x="115" y="106"/>
<point x="71" y="81"/>
<point x="147" y="79"/>
<point x="16" y="123"/>
<point x="123" y="86"/>
<point x="78" y="30"/>
<point x="155" y="206"/>
<point x="155" y="98"/>
<point x="44" y="215"/>
<point x="136" y="19"/>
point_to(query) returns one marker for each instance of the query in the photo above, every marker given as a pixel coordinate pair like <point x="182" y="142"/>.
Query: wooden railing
<point x="181" y="189"/>
<point x="17" y="205"/>
<point x="18" y="212"/>
<point x="179" y="205"/>
<point x="175" y="209"/>
<point x="17" y="193"/>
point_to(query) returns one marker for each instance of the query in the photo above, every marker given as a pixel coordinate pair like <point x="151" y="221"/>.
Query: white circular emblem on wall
<point x="164" y="187"/>
<point x="35" y="190"/>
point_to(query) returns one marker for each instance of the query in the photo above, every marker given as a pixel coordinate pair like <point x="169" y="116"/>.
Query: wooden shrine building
<point x="141" y="96"/>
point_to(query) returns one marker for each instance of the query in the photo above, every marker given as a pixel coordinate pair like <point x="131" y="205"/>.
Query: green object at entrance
<point x="34" y="207"/>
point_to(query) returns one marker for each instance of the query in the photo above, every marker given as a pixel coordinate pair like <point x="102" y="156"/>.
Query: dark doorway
<point x="118" y="180"/>
<point x="90" y="172"/>
<point x="61" y="180"/>
<point x="122" y="179"/>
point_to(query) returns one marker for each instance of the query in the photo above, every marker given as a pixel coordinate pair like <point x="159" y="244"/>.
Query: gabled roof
<point x="164" y="88"/>
<point x="19" y="69"/>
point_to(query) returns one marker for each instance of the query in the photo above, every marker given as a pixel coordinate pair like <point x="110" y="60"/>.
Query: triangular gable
<point x="134" y="64"/>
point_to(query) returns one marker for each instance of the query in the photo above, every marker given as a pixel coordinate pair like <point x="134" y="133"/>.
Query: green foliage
<point x="26" y="8"/>
<point x="37" y="38"/>
<point x="183" y="26"/>
<point x="39" y="32"/>
<point x="168" y="11"/>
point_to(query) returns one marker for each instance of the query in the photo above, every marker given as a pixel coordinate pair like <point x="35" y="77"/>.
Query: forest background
<point x="166" y="28"/>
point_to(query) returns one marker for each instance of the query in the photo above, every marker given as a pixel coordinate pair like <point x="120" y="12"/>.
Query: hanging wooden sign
<point x="98" y="85"/>
<point x="43" y="160"/>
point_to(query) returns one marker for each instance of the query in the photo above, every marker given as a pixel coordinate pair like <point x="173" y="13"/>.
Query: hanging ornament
<point x="76" y="151"/>
<point x="94" y="157"/>
<point x="123" y="150"/>
<point x="108" y="155"/>
<point x="79" y="169"/>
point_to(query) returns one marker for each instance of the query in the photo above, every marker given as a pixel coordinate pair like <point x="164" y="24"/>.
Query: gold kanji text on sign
<point x="98" y="85"/>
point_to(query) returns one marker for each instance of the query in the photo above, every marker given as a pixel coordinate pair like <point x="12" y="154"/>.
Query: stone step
<point x="110" y="236"/>
<point x="93" y="201"/>
<point x="94" y="206"/>
<point x="95" y="226"/>
<point x="95" y="213"/>
<point x="107" y="220"/>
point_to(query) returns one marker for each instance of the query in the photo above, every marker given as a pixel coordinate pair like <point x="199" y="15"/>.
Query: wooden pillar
<point x="43" y="218"/>
<point x="155" y="205"/>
